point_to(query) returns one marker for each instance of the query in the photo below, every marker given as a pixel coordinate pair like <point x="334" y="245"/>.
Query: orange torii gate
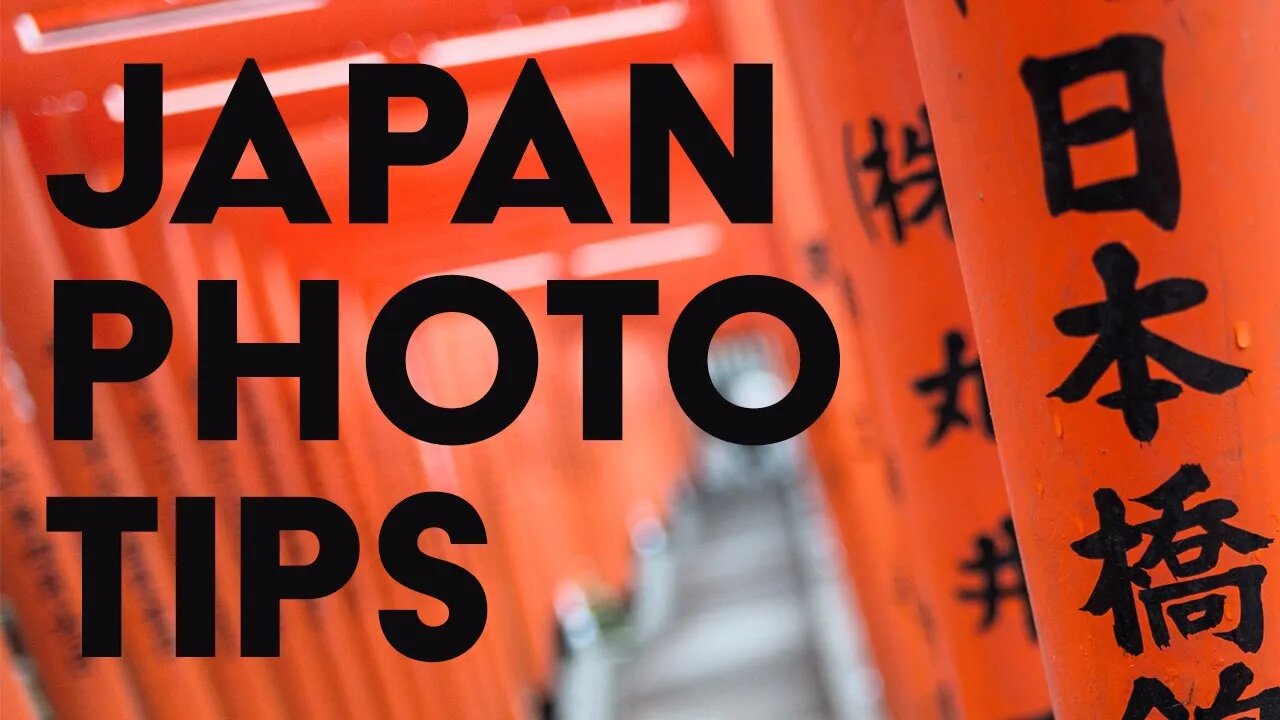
<point x="1111" y="170"/>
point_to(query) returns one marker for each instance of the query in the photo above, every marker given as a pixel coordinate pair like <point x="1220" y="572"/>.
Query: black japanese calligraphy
<point x="916" y="151"/>
<point x="20" y="503"/>
<point x="1121" y="339"/>
<point x="818" y="256"/>
<point x="850" y="296"/>
<point x="1232" y="683"/>
<point x="947" y="382"/>
<point x="1155" y="189"/>
<point x="1193" y="601"/>
<point x="946" y="702"/>
<point x="998" y="566"/>
<point x="1150" y="695"/>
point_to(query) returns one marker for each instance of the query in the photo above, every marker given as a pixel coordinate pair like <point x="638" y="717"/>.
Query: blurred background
<point x="666" y="575"/>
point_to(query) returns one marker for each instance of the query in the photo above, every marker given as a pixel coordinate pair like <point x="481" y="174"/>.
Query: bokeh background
<point x="666" y="575"/>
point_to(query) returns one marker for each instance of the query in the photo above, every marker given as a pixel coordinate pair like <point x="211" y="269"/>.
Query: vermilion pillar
<point x="871" y="133"/>
<point x="1111" y="170"/>
<point x="847" y="443"/>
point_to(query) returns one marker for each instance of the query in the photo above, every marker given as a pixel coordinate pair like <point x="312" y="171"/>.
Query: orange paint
<point x="171" y="687"/>
<point x="389" y="466"/>
<point x="1204" y="76"/>
<point x="451" y="364"/>
<point x="168" y="264"/>
<point x="865" y="110"/>
<point x="872" y="525"/>
<point x="42" y="574"/>
<point x="162" y="440"/>
<point x="268" y="417"/>
<point x="849" y="452"/>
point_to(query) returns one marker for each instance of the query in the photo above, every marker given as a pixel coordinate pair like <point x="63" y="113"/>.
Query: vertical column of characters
<point x="1112" y="168"/>
<point x="263" y="428"/>
<point x="269" y="413"/>
<point x="42" y="588"/>
<point x="867" y="510"/>
<point x="881" y="174"/>
<point x="166" y="261"/>
<point x="849" y="453"/>
<point x="865" y="504"/>
<point x="171" y="686"/>
<point x="162" y="441"/>
<point x="381" y="472"/>
<point x="268" y="285"/>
